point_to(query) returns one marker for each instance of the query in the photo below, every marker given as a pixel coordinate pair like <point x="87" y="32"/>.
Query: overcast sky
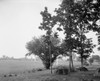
<point x="19" y="21"/>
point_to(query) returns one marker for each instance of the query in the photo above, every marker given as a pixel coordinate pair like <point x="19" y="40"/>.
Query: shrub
<point x="46" y="63"/>
<point x="5" y="75"/>
<point x="48" y="79"/>
<point x="29" y="71"/>
<point x="91" y="60"/>
<point x="86" y="63"/>
<point x="62" y="70"/>
<point x="39" y="69"/>
<point x="96" y="76"/>
<point x="98" y="70"/>
<point x="33" y="70"/>
<point x="82" y="69"/>
<point x="97" y="73"/>
<point x="86" y="79"/>
<point x="10" y="75"/>
<point x="15" y="74"/>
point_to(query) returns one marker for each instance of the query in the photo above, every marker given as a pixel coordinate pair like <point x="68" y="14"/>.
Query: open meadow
<point x="8" y="66"/>
<point x="24" y="70"/>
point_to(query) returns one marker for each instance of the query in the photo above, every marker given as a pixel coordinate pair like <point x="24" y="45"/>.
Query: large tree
<point x="47" y="25"/>
<point x="39" y="47"/>
<point x="85" y="49"/>
<point x="48" y="48"/>
<point x="89" y="11"/>
<point x="88" y="16"/>
<point x="76" y="19"/>
<point x="64" y="19"/>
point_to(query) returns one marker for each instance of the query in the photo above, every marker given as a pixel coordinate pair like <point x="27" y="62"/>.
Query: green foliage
<point x="91" y="60"/>
<point x="47" y="19"/>
<point x="85" y="63"/>
<point x="99" y="41"/>
<point x="86" y="48"/>
<point x="98" y="48"/>
<point x="98" y="69"/>
<point x="96" y="57"/>
<point x="50" y="79"/>
<point x="82" y="69"/>
<point x="62" y="70"/>
<point x="40" y="48"/>
<point x="47" y="25"/>
<point x="78" y="18"/>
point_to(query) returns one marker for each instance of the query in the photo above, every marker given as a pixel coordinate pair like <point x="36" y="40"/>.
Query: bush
<point x="46" y="63"/>
<point x="48" y="79"/>
<point x="83" y="79"/>
<point x="98" y="70"/>
<point x="91" y="61"/>
<point x="82" y="69"/>
<point x="39" y="69"/>
<point x="5" y="75"/>
<point x="15" y="74"/>
<point x="10" y="75"/>
<point x="86" y="63"/>
<point x="97" y="73"/>
<point x="33" y="70"/>
<point x="62" y="70"/>
<point x="97" y="77"/>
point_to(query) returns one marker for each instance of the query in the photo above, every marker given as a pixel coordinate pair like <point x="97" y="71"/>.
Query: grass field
<point x="7" y="66"/>
<point x="23" y="69"/>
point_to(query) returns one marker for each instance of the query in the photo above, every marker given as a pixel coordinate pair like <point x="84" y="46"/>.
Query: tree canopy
<point x="77" y="18"/>
<point x="40" y="48"/>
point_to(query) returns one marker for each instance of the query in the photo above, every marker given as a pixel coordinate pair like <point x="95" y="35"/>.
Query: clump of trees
<point x="76" y="19"/>
<point x="39" y="47"/>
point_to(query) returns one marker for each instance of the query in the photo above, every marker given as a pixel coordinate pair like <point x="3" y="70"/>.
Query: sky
<point x="19" y="22"/>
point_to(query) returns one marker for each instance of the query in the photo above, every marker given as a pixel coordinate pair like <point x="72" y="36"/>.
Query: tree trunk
<point x="47" y="65"/>
<point x="71" y="66"/>
<point x="69" y="63"/>
<point x="81" y="61"/>
<point x="50" y="58"/>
